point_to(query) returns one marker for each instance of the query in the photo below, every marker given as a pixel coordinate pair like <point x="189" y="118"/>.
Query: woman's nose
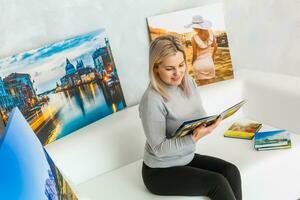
<point x="176" y="71"/>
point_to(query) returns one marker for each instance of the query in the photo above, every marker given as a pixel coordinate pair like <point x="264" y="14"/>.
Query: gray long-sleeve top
<point x="160" y="120"/>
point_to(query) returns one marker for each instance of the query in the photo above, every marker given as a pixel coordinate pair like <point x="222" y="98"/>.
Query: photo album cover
<point x="62" y="87"/>
<point x="26" y="170"/>
<point x="243" y="129"/>
<point x="202" y="31"/>
<point x="273" y="139"/>
<point x="187" y="127"/>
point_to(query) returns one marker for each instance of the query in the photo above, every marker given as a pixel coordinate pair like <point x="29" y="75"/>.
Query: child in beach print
<point x="62" y="87"/>
<point x="202" y="30"/>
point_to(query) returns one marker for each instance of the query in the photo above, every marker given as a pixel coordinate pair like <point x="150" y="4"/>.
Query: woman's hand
<point x="203" y="130"/>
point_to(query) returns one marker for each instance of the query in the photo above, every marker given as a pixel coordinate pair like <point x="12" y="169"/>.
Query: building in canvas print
<point x="202" y="31"/>
<point x="63" y="86"/>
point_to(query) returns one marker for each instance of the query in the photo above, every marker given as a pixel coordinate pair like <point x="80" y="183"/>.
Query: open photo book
<point x="187" y="127"/>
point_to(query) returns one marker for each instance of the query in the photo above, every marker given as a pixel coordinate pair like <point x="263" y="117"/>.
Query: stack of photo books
<point x="268" y="140"/>
<point x="243" y="130"/>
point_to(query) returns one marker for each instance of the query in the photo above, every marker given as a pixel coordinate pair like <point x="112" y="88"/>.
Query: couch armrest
<point x="272" y="98"/>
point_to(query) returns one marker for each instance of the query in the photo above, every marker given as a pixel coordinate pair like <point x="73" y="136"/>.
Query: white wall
<point x="263" y="34"/>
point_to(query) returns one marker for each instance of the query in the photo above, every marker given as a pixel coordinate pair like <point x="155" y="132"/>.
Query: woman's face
<point x="172" y="69"/>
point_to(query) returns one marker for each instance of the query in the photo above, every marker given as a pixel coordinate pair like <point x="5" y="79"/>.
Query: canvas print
<point x="3" y="121"/>
<point x="63" y="86"/>
<point x="202" y="31"/>
<point x="26" y="170"/>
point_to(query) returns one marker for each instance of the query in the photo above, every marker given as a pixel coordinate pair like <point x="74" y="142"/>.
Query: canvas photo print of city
<point x="3" y="121"/>
<point x="62" y="87"/>
<point x="26" y="170"/>
<point x="202" y="31"/>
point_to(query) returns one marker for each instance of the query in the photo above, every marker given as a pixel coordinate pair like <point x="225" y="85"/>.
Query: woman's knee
<point x="221" y="188"/>
<point x="220" y="180"/>
<point x="231" y="171"/>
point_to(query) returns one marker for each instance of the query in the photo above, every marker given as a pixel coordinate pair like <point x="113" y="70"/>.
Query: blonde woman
<point x="203" y="56"/>
<point x="171" y="166"/>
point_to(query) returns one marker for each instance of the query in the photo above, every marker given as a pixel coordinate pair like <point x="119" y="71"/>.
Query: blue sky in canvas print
<point x="27" y="172"/>
<point x="63" y="86"/>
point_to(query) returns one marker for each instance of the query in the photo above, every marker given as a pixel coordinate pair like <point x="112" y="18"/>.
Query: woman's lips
<point x="176" y="79"/>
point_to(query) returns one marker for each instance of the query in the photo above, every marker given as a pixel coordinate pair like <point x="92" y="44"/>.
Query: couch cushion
<point x="123" y="183"/>
<point x="262" y="172"/>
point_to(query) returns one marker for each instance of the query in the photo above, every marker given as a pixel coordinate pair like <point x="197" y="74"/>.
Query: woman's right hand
<point x="203" y="130"/>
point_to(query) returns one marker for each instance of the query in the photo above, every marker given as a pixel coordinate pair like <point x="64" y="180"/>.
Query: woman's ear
<point x="155" y="69"/>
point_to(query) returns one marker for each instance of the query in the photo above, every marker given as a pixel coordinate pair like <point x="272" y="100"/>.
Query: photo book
<point x="275" y="139"/>
<point x="187" y="127"/>
<point x="243" y="130"/>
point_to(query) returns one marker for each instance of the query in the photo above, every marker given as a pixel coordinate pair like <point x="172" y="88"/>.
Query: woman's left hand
<point x="203" y="130"/>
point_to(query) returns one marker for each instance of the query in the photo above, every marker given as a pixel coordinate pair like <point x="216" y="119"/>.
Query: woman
<point x="171" y="166"/>
<point x="202" y="42"/>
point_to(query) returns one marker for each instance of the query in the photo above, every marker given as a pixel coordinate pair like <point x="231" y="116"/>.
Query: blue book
<point x="276" y="139"/>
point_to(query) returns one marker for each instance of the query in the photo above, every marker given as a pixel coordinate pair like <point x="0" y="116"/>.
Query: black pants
<point x="203" y="176"/>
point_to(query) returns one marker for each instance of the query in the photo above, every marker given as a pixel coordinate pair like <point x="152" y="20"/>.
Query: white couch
<point x="104" y="159"/>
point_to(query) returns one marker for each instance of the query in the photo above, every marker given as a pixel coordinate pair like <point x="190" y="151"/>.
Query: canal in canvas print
<point x="63" y="86"/>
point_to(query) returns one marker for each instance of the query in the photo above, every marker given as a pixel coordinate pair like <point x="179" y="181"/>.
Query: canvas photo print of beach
<point x="62" y="87"/>
<point x="202" y="31"/>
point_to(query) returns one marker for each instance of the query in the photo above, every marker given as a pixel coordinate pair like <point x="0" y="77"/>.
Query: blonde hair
<point x="160" y="48"/>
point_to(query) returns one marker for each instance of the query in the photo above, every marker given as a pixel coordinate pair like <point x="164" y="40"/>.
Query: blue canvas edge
<point x="8" y="124"/>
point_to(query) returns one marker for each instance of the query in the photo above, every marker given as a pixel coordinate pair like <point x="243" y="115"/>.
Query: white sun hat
<point x="199" y="22"/>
